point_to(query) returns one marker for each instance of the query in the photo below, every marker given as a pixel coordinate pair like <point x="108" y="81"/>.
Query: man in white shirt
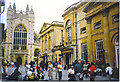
<point x="108" y="70"/>
<point x="71" y="74"/>
<point x="60" y="71"/>
<point x="29" y="73"/>
<point x="27" y="67"/>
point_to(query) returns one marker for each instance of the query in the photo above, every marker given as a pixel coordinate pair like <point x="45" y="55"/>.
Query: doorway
<point x="67" y="60"/>
<point x="19" y="61"/>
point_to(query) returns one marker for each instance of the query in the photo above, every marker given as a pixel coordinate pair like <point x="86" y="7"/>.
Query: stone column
<point x="52" y="38"/>
<point x="89" y="41"/>
<point x="108" y="55"/>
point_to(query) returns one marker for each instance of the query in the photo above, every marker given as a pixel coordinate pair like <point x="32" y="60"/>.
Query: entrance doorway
<point x="117" y="50"/>
<point x="67" y="60"/>
<point x="19" y="61"/>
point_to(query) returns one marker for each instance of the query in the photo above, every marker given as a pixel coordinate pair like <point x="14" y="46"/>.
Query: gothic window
<point x="20" y="38"/>
<point x="99" y="50"/>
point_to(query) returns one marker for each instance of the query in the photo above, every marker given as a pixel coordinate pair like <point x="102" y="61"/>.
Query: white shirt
<point x="29" y="73"/>
<point x="28" y="66"/>
<point x="109" y="69"/>
<point x="12" y="63"/>
<point x="71" y="71"/>
<point x="60" y="66"/>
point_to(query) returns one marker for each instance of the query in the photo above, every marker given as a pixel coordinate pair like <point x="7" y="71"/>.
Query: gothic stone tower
<point x="18" y="46"/>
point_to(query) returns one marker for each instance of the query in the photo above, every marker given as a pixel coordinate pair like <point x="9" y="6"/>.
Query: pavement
<point x="10" y="70"/>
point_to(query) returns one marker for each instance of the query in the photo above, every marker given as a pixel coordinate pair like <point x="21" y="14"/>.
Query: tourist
<point x="60" y="71"/>
<point x="29" y="73"/>
<point x="14" y="75"/>
<point x="56" y="69"/>
<point x="50" y="71"/>
<point x="92" y="70"/>
<point x="39" y="68"/>
<point x="42" y="64"/>
<point x="46" y="65"/>
<point x="39" y="75"/>
<point x="27" y="67"/>
<point x="85" y="69"/>
<point x="71" y="74"/>
<point x="12" y="63"/>
<point x="4" y="63"/>
<point x="78" y="70"/>
<point x="66" y="67"/>
<point x="108" y="71"/>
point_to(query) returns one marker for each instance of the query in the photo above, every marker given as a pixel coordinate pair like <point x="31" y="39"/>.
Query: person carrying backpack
<point x="78" y="70"/>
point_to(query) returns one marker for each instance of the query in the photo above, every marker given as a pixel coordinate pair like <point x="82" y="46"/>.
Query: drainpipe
<point x="76" y="36"/>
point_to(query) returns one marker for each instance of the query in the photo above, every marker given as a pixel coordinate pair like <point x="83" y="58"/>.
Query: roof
<point x="47" y="25"/>
<point x="73" y="6"/>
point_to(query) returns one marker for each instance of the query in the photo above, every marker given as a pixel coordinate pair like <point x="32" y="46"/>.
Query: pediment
<point x="44" y="27"/>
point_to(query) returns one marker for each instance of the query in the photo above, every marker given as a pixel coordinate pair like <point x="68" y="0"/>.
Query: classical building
<point x="92" y="32"/>
<point x="102" y="32"/>
<point x="73" y="16"/>
<point x="51" y="35"/>
<point x="20" y="42"/>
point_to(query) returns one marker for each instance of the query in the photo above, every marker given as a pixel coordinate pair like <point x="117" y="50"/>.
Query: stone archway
<point x="19" y="61"/>
<point x="36" y="54"/>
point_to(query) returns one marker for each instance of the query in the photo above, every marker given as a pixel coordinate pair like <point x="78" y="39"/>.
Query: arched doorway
<point x="19" y="61"/>
<point x="36" y="54"/>
<point x="117" y="51"/>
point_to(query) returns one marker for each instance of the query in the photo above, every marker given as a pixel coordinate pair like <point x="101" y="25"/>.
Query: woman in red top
<point x="38" y="68"/>
<point x="92" y="69"/>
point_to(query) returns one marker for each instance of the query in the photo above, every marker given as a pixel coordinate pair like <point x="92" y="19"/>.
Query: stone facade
<point x="16" y="21"/>
<point x="97" y="31"/>
<point x="51" y="35"/>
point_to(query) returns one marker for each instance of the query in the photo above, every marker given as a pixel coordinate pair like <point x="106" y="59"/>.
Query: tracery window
<point x="20" y="38"/>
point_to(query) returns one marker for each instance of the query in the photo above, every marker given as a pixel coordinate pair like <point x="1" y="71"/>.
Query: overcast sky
<point x="45" y="10"/>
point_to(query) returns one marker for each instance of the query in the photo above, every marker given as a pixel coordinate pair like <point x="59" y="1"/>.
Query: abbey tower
<point x="19" y="43"/>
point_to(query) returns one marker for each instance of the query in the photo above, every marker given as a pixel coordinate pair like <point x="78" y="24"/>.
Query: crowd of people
<point x="76" y="71"/>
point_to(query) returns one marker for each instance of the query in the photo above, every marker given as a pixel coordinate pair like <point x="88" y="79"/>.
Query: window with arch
<point x="69" y="29"/>
<point x="20" y="38"/>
